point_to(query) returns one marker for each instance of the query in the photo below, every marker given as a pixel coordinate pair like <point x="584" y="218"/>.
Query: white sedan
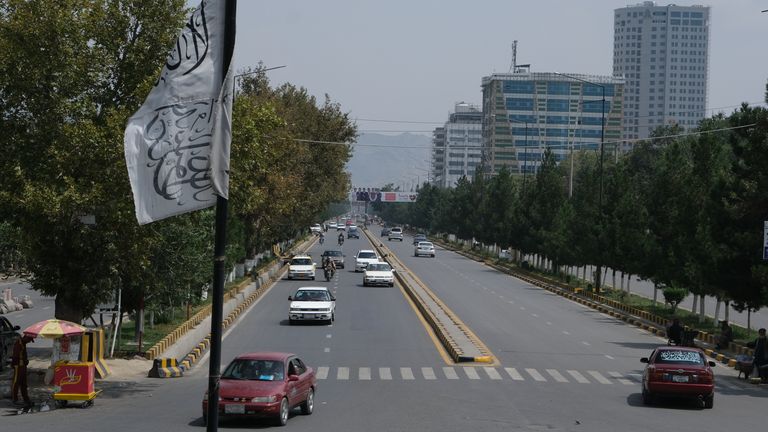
<point x="301" y="267"/>
<point x="312" y="304"/>
<point x="424" y="248"/>
<point x="379" y="273"/>
<point x="363" y="258"/>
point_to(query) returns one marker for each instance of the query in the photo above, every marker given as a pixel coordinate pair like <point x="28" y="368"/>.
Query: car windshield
<point x="679" y="357"/>
<point x="312" y="295"/>
<point x="425" y="245"/>
<point x="378" y="267"/>
<point x="301" y="261"/>
<point x="332" y="253"/>
<point x="258" y="370"/>
<point x="366" y="255"/>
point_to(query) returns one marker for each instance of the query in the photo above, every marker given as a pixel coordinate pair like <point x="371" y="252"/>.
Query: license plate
<point x="234" y="409"/>
<point x="680" y="378"/>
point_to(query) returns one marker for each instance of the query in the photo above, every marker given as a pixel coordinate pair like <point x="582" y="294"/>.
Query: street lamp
<point x="602" y="151"/>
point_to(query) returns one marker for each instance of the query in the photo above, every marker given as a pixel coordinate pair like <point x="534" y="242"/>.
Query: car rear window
<point x="366" y="255"/>
<point x="301" y="261"/>
<point x="425" y="244"/>
<point x="679" y="357"/>
<point x="397" y="230"/>
<point x="332" y="253"/>
<point x="378" y="267"/>
<point x="312" y="295"/>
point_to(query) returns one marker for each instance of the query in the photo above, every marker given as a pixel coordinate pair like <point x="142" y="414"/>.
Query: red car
<point x="265" y="384"/>
<point x="678" y="372"/>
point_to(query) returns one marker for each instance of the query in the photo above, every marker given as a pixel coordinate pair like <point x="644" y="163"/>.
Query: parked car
<point x="678" y="372"/>
<point x="336" y="255"/>
<point x="265" y="384"/>
<point x="395" y="234"/>
<point x="301" y="267"/>
<point x="353" y="232"/>
<point x="379" y="273"/>
<point x="8" y="335"/>
<point x="424" y="248"/>
<point x="363" y="258"/>
<point x="312" y="304"/>
<point x="419" y="238"/>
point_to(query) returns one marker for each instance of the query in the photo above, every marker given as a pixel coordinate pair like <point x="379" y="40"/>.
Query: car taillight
<point x="655" y="375"/>
<point x="705" y="378"/>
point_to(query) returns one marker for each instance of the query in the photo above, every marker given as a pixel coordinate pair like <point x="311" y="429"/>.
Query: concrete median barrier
<point x="165" y="368"/>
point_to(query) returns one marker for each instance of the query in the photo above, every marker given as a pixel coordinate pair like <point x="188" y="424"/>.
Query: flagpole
<point x="219" y="249"/>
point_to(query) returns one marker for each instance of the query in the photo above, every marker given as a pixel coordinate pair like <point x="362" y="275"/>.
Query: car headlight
<point x="205" y="397"/>
<point x="265" y="399"/>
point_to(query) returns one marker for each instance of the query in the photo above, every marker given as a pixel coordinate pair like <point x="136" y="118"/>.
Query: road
<point x="561" y="366"/>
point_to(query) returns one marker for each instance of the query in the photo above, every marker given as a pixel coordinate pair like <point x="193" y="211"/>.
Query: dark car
<point x="336" y="255"/>
<point x="8" y="335"/>
<point x="419" y="238"/>
<point x="353" y="232"/>
<point x="265" y="384"/>
<point x="678" y="372"/>
<point x="384" y="232"/>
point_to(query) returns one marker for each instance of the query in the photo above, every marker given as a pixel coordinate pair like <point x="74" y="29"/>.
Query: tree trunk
<point x="726" y="314"/>
<point x="622" y="281"/>
<point x="695" y="303"/>
<point x="69" y="311"/>
<point x="655" y="292"/>
<point x="598" y="278"/>
<point x="717" y="309"/>
<point x="702" y="307"/>
<point x="629" y="279"/>
<point x="613" y="278"/>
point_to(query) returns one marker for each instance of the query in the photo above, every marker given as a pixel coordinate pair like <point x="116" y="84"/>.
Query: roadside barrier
<point x="92" y="350"/>
<point x="165" y="368"/>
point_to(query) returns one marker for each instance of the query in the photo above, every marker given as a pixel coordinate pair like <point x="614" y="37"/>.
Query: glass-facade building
<point x="663" y="53"/>
<point x="457" y="146"/>
<point x="525" y="113"/>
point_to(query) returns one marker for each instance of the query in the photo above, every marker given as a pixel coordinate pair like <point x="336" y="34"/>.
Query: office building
<point x="457" y="146"/>
<point x="663" y="54"/>
<point x="525" y="113"/>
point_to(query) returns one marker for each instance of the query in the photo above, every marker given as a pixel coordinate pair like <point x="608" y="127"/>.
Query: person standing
<point x="760" y="345"/>
<point x="19" y="362"/>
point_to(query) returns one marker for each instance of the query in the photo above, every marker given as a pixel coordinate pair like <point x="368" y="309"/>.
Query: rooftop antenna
<point x="514" y="67"/>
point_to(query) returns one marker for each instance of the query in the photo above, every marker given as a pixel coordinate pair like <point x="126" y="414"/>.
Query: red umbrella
<point x="53" y="328"/>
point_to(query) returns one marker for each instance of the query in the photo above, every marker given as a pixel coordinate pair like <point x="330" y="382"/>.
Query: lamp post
<point x="602" y="151"/>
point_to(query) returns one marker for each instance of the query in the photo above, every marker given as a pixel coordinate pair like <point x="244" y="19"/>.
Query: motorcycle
<point x="329" y="273"/>
<point x="322" y="239"/>
<point x="341" y="241"/>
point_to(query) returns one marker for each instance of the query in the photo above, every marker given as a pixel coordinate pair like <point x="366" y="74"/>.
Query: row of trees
<point x="683" y="211"/>
<point x="71" y="73"/>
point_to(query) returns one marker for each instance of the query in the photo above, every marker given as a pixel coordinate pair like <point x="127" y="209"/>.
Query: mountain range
<point x="378" y="159"/>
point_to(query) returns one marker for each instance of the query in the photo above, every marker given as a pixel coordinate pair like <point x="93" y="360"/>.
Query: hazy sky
<point x="411" y="60"/>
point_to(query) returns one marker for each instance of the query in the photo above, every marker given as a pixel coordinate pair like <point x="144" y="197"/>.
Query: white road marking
<point x="586" y="343"/>
<point x="329" y="336"/>
<point x="364" y="374"/>
<point x="471" y="373"/>
<point x="535" y="374"/>
<point x="342" y="373"/>
<point x="326" y="350"/>
<point x="620" y="378"/>
<point x="535" y="315"/>
<point x="493" y="292"/>
<point x="549" y="323"/>
<point x="492" y="373"/>
<point x="557" y="376"/>
<point x="566" y="333"/>
<point x="727" y="386"/>
<point x="578" y="376"/>
<point x="601" y="379"/>
<point x="429" y="373"/>
<point x="609" y="357"/>
<point x="511" y="302"/>
<point x="385" y="373"/>
<point x="522" y="308"/>
<point x="46" y="308"/>
<point x="514" y="374"/>
<point x="406" y="373"/>
<point x="450" y="373"/>
<point x="322" y="372"/>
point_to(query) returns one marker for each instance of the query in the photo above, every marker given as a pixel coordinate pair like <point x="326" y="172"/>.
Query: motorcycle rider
<point x="341" y="239"/>
<point x="322" y="238"/>
<point x="329" y="267"/>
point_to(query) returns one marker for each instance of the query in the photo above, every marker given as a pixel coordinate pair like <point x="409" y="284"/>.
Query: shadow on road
<point x="636" y="400"/>
<point x="638" y="345"/>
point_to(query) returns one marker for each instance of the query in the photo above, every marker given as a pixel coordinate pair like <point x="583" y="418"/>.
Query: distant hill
<point x="380" y="159"/>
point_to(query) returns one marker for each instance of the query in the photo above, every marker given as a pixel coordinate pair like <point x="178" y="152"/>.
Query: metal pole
<point x="525" y="162"/>
<point x="600" y="200"/>
<point x="219" y="249"/>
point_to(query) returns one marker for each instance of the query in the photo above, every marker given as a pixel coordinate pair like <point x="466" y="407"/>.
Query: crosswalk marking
<point x="342" y="373"/>
<point x="727" y="386"/>
<point x="620" y="379"/>
<point x="450" y="373"/>
<point x="535" y="374"/>
<point x="428" y="373"/>
<point x="385" y="373"/>
<point x="364" y="373"/>
<point x="514" y="374"/>
<point x="406" y="373"/>
<point x="492" y="373"/>
<point x="578" y="376"/>
<point x="556" y="375"/>
<point x="471" y="373"/>
<point x="322" y="372"/>
<point x="601" y="379"/>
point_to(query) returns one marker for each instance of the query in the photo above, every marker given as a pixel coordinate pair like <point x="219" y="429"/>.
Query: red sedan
<point x="265" y="384"/>
<point x="678" y="372"/>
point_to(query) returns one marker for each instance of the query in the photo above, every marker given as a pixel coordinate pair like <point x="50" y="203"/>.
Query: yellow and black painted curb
<point x="634" y="316"/>
<point x="165" y="368"/>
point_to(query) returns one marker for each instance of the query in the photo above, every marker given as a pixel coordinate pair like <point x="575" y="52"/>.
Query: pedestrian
<point x="760" y="345"/>
<point x="19" y="362"/>
<point x="675" y="332"/>
<point x="725" y="336"/>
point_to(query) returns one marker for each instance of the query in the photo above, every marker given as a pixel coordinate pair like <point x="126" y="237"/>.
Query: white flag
<point x="177" y="143"/>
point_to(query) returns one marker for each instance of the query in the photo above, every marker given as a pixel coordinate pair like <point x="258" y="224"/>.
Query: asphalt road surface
<point x="560" y="366"/>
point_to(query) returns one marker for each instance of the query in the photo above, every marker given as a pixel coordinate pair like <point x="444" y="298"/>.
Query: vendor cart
<point x="73" y="381"/>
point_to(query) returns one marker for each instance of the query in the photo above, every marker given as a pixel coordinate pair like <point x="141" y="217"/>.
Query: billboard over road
<point x="374" y="195"/>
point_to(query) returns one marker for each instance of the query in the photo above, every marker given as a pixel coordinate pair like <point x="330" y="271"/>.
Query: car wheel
<point x="309" y="405"/>
<point x="313" y="278"/>
<point x="647" y="398"/>
<point x="282" y="417"/>
<point x="290" y="321"/>
<point x="709" y="401"/>
<point x="391" y="284"/>
<point x="333" y="317"/>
